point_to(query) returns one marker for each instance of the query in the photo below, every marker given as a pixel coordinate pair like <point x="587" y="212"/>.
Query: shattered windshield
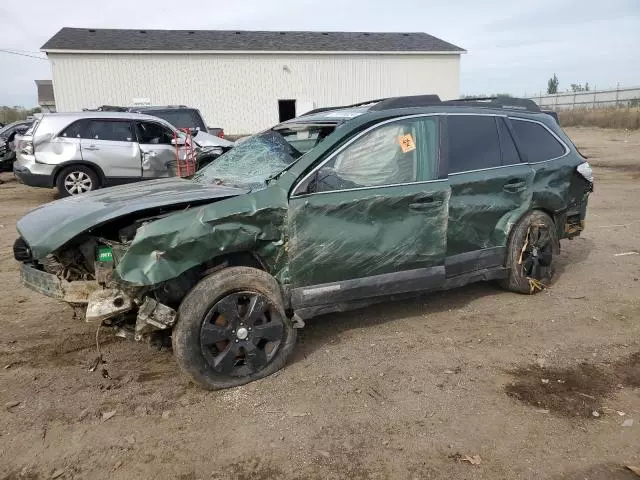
<point x="262" y="156"/>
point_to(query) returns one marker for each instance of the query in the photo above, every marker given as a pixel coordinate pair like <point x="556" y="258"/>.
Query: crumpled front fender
<point x="164" y="249"/>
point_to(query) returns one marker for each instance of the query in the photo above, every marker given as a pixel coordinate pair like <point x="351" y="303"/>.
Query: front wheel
<point x="532" y="247"/>
<point x="232" y="329"/>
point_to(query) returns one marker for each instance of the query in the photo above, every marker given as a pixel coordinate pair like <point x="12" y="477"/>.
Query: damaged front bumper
<point x="75" y="293"/>
<point x="102" y="303"/>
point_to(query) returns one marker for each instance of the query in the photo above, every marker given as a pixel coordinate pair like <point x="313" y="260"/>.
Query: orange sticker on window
<point x="406" y="143"/>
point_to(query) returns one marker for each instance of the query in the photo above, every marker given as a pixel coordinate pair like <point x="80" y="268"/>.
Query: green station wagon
<point x="332" y="209"/>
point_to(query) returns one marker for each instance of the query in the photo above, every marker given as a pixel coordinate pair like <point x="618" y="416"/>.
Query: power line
<point x="21" y="54"/>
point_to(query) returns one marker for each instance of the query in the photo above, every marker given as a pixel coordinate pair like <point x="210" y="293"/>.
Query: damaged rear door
<point x="371" y="218"/>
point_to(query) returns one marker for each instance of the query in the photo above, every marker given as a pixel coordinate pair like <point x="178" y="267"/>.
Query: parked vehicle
<point x="80" y="152"/>
<point x="180" y="116"/>
<point x="320" y="213"/>
<point x="8" y="142"/>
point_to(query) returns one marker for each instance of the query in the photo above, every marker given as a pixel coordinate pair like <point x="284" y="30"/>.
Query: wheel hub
<point x="242" y="333"/>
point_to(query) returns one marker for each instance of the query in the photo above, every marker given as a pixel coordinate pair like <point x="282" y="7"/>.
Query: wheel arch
<point x="171" y="292"/>
<point x="93" y="166"/>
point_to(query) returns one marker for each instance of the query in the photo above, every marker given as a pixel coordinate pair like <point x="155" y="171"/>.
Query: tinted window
<point x="150" y="133"/>
<point x="509" y="152"/>
<point x="186" y="118"/>
<point x="390" y="154"/>
<point x="536" y="142"/>
<point x="75" y="130"/>
<point x="109" y="130"/>
<point x="473" y="143"/>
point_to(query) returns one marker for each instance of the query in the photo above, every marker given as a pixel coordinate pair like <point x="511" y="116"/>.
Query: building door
<point x="286" y="110"/>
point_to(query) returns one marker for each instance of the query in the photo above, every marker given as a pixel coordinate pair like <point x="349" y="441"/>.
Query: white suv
<point x="80" y="152"/>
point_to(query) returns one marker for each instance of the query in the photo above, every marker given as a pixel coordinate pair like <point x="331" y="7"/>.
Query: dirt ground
<point x="412" y="389"/>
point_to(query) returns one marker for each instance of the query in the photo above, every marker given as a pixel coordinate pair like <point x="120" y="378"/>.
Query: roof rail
<point x="407" y="102"/>
<point x="497" y="102"/>
<point x="326" y="109"/>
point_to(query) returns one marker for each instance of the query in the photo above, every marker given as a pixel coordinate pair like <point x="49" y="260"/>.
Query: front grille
<point x="21" y="251"/>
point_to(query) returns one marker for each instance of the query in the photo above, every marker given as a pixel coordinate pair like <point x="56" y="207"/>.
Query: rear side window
<point x="536" y="142"/>
<point x="509" y="152"/>
<point x="473" y="143"/>
<point x="75" y="130"/>
<point x="109" y="130"/>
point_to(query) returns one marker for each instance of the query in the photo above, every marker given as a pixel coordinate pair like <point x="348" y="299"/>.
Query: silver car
<point x="80" y="152"/>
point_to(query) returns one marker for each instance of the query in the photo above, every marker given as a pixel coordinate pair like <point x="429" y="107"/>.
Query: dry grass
<point x="628" y="118"/>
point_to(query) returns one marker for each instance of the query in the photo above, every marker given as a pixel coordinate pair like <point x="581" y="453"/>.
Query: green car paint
<point x="317" y="238"/>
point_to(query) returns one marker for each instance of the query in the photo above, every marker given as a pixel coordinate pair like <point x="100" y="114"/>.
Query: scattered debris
<point x="635" y="470"/>
<point x="9" y="365"/>
<point x="542" y="410"/>
<point x="166" y="414"/>
<point x="624" y="254"/>
<point x="107" y="415"/>
<point x="595" y="413"/>
<point x="622" y="414"/>
<point x="105" y="374"/>
<point x="94" y="364"/>
<point x="475" y="460"/>
<point x="57" y="473"/>
<point x="628" y="422"/>
<point x="12" y="404"/>
<point x="385" y="443"/>
<point x="544" y="380"/>
<point x="459" y="457"/>
<point x="299" y="414"/>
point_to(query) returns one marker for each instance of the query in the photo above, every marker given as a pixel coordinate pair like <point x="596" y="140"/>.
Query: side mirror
<point x="178" y="141"/>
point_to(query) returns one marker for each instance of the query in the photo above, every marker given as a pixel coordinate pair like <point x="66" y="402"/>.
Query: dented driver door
<point x="371" y="219"/>
<point x="158" y="154"/>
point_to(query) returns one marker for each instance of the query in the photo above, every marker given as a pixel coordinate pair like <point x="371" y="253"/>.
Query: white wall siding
<point x="240" y="92"/>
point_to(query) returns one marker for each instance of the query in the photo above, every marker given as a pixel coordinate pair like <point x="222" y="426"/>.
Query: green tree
<point x="552" y="84"/>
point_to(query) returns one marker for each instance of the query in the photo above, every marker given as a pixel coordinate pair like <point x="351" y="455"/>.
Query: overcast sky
<point x="512" y="46"/>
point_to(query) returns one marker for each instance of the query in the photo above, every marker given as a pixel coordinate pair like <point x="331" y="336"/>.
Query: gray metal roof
<point x="45" y="92"/>
<point x="87" y="39"/>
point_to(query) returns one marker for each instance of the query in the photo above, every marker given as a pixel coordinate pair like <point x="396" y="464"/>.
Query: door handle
<point x="91" y="148"/>
<point x="515" y="186"/>
<point x="425" y="203"/>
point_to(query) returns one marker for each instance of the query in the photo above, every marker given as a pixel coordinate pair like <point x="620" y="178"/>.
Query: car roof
<point x="114" y="115"/>
<point x="162" y="107"/>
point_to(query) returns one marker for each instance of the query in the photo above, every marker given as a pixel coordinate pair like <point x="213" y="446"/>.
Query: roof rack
<point x="511" y="103"/>
<point x="106" y="108"/>
<point x="496" y="102"/>
<point x="326" y="109"/>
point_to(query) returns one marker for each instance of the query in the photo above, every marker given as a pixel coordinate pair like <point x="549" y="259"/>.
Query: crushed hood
<point x="205" y="139"/>
<point x="50" y="226"/>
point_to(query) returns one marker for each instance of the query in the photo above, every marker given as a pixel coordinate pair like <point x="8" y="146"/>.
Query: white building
<point x="246" y="81"/>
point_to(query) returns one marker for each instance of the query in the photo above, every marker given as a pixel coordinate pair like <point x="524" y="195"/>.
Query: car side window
<point x="150" y="133"/>
<point x="114" y="130"/>
<point x="509" y="152"/>
<point x="473" y="142"/>
<point x="536" y="142"/>
<point x="75" y="130"/>
<point x="399" y="152"/>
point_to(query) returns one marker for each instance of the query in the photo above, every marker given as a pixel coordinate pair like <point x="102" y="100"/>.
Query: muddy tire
<point x="536" y="234"/>
<point x="77" y="179"/>
<point x="232" y="329"/>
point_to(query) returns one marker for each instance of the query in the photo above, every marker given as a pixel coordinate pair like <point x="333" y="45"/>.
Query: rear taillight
<point x="585" y="170"/>
<point x="26" y="147"/>
<point x="221" y="134"/>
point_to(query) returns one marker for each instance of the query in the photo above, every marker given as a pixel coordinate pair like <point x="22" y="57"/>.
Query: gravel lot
<point x="400" y="390"/>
